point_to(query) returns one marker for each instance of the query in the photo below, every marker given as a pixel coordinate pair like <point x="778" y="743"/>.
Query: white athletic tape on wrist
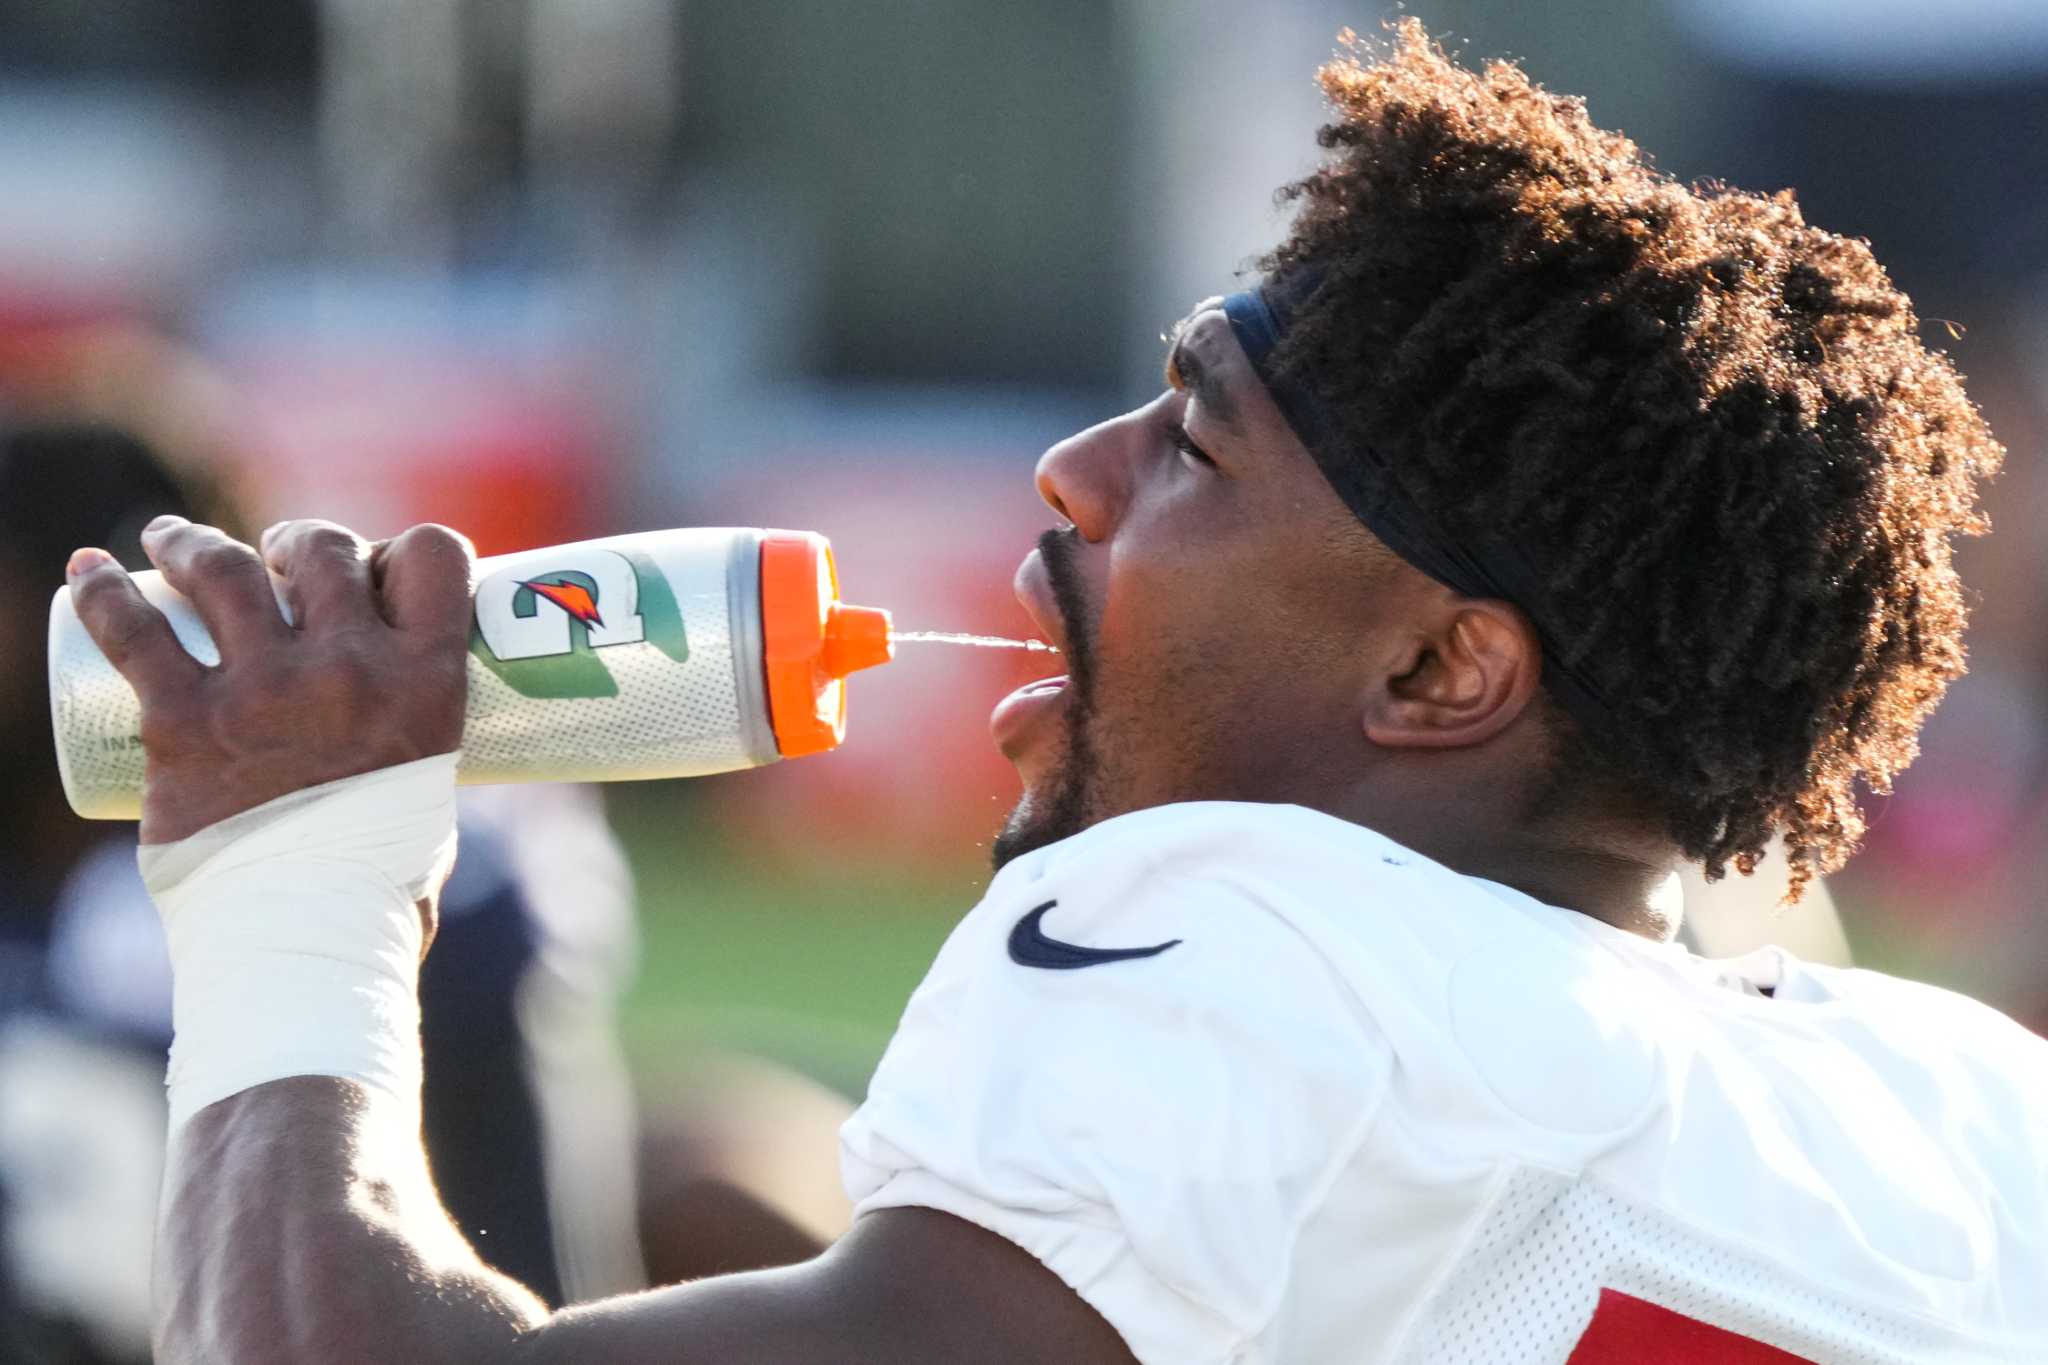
<point x="295" y="934"/>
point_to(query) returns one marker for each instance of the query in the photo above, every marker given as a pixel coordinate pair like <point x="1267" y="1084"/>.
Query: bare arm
<point x="299" y="1223"/>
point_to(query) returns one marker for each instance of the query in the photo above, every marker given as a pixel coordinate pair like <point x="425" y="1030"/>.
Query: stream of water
<point x="947" y="637"/>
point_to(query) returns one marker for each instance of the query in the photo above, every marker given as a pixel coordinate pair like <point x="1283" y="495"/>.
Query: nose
<point x="1087" y="477"/>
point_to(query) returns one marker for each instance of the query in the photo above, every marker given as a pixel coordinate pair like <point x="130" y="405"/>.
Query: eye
<point x="1178" y="434"/>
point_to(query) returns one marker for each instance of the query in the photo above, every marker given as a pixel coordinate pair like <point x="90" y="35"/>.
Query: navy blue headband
<point x="1491" y="567"/>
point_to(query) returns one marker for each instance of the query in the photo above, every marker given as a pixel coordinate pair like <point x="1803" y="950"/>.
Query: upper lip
<point x="1034" y="590"/>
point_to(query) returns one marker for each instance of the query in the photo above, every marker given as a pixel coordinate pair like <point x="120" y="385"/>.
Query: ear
<point x="1460" y="684"/>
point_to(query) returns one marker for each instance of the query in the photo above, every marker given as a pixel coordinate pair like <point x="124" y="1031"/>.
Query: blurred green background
<point x="805" y="962"/>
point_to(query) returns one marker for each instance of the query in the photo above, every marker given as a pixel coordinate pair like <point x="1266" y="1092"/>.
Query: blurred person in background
<point x="84" y="988"/>
<point x="531" y="1128"/>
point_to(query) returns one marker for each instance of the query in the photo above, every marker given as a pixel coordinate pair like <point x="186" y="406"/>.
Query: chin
<point x="1040" y="819"/>
<point x="1023" y="831"/>
<point x="1062" y="797"/>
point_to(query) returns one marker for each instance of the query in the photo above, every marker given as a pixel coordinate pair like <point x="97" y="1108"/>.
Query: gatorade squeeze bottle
<point x="663" y="654"/>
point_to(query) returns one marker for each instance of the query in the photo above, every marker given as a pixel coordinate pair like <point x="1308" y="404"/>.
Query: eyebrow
<point x="1185" y="370"/>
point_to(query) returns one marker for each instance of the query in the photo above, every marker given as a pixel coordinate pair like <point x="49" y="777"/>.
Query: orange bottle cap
<point x="811" y="641"/>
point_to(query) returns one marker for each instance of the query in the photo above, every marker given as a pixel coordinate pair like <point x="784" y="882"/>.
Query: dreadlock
<point x="1711" y="426"/>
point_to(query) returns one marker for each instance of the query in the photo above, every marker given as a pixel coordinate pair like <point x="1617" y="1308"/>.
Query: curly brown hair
<point x="1713" y="428"/>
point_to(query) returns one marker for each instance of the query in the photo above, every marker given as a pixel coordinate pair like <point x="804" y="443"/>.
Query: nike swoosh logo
<point x="1031" y="947"/>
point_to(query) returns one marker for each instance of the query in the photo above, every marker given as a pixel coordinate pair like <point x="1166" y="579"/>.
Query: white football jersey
<point x="1264" y="1086"/>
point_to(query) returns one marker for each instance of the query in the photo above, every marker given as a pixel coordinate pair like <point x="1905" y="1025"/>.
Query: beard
<point x="1065" y="807"/>
<point x="1064" y="810"/>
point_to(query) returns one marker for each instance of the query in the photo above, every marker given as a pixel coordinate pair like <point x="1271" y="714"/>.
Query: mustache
<point x="1060" y="549"/>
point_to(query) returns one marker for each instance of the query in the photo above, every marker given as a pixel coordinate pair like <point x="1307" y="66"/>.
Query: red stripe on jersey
<point x="1629" y="1331"/>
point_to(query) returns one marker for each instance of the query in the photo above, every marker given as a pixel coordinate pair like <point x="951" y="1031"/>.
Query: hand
<point x="372" y="674"/>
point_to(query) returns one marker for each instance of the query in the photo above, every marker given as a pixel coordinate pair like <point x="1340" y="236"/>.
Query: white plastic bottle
<point x="662" y="654"/>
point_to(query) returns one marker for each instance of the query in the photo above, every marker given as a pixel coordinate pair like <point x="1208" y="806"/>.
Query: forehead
<point x="1211" y="328"/>
<point x="1203" y="355"/>
<point x="1205" y="327"/>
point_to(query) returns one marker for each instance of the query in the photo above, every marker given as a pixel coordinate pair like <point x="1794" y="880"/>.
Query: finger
<point x="134" y="635"/>
<point x="424" y="576"/>
<point x="326" y="573"/>
<point x="225" y="582"/>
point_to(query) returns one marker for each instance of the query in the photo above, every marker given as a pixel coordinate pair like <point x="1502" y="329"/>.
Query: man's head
<point x="1231" y="630"/>
<point x="1707" y="433"/>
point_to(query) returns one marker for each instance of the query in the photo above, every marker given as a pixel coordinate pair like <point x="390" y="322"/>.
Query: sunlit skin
<point x="1234" y="633"/>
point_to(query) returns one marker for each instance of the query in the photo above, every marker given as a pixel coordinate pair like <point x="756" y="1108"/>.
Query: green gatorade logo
<point x="545" y="633"/>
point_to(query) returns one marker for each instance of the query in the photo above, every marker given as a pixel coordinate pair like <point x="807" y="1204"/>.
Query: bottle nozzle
<point x="856" y="638"/>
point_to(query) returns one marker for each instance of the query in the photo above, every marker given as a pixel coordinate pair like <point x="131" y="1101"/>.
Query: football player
<point x="1532" y="526"/>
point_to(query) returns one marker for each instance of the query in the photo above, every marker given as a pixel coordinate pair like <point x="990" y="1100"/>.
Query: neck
<point x="1620" y="877"/>
<point x="1637" y="894"/>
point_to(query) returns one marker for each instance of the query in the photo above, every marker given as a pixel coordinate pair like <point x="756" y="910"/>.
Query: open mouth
<point x="1025" y="711"/>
